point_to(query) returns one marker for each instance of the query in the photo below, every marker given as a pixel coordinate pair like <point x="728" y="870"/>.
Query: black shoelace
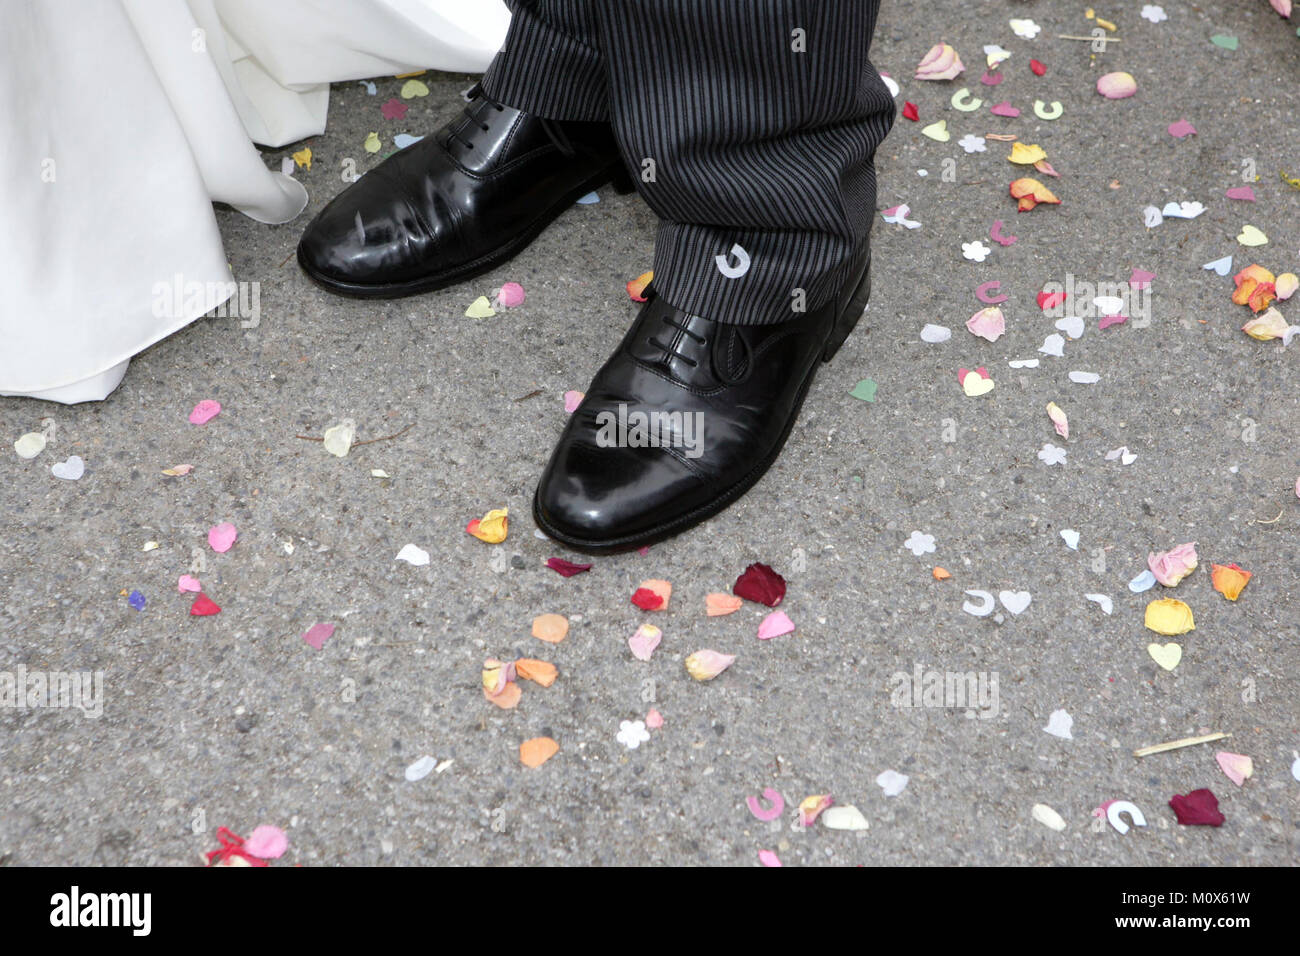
<point x="474" y="114"/>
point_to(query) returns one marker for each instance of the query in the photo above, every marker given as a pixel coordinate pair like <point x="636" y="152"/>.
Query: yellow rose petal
<point x="1169" y="616"/>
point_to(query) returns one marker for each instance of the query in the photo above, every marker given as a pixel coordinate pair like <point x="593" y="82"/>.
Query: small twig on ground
<point x="368" y="441"/>
<point x="1177" y="744"/>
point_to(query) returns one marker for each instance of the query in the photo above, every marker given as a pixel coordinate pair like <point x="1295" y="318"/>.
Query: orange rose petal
<point x="941" y="574"/>
<point x="718" y="604"/>
<point x="539" y="672"/>
<point x="550" y="628"/>
<point x="535" y="752"/>
<point x="1228" y="579"/>
<point x="508" y="698"/>
<point x="661" y="588"/>
<point x="636" y="287"/>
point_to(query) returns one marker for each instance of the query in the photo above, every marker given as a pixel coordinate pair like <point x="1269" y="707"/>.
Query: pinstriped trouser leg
<point x="550" y="63"/>
<point x="759" y="119"/>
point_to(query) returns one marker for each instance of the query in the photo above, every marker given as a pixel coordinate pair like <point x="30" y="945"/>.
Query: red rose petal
<point x="910" y="111"/>
<point x="647" y="600"/>
<point x="566" y="568"/>
<point x="1197" y="807"/>
<point x="1038" y="68"/>
<point x="203" y="606"/>
<point x="760" y="584"/>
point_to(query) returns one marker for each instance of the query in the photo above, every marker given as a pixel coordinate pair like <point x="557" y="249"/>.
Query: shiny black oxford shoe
<point x="683" y="419"/>
<point x="458" y="203"/>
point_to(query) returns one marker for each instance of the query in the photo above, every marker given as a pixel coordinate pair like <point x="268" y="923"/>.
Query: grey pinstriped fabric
<point x="753" y="143"/>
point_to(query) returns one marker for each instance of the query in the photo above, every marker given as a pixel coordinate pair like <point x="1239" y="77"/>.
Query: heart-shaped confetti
<point x="1004" y="109"/>
<point x="864" y="391"/>
<point x="1166" y="655"/>
<point x="1071" y="325"/>
<point x="1187" y="209"/>
<point x="70" y="470"/>
<point x="1015" y="601"/>
<point x="413" y="88"/>
<point x="1220" y="266"/>
<point x="975" y="383"/>
<point x="937" y="131"/>
<point x="1251" y="236"/>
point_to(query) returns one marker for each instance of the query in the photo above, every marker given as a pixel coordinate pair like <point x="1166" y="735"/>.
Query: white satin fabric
<point x="121" y="121"/>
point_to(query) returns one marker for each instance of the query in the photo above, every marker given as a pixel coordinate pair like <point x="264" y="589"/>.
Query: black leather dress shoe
<point x="458" y="203"/>
<point x="683" y="419"/>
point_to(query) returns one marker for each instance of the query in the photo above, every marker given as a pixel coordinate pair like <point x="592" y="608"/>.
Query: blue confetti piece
<point x="403" y="140"/>
<point x="588" y="199"/>
<point x="371" y="90"/>
<point x="1143" y="582"/>
<point x="136" y="600"/>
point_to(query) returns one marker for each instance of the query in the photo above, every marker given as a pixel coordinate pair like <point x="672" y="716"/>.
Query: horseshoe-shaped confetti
<point x="772" y="797"/>
<point x="1041" y="111"/>
<point x="1116" y="807"/>
<point x="979" y="610"/>
<point x="982" y="293"/>
<point x="995" y="233"/>
<point x="741" y="266"/>
<point x="961" y="101"/>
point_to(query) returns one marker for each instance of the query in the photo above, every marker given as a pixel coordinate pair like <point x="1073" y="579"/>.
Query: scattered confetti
<point x="30" y="445"/>
<point x="934" y="334"/>
<point x="372" y="143"/>
<point x="844" y="817"/>
<point x="975" y="383"/>
<point x="1047" y="817"/>
<point x="1166" y="655"/>
<point x="1051" y="454"/>
<point x="318" y="634"/>
<point x="413" y="88"/>
<point x="204" y="606"/>
<point x="864" y="391"/>
<point x="632" y="733"/>
<point x="205" y="411"/>
<point x="70" y="470"/>
<point x="394" y="109"/>
<point x="136" y="600"/>
<point x="892" y="782"/>
<point x="480" y="308"/>
<point x="1103" y="601"/>
<point x="267" y="842"/>
<point x="1060" y="724"/>
<point x="773" y="811"/>
<point x="338" y="438"/>
<point x="511" y="295"/>
<point x="420" y="769"/>
<point x="413" y="555"/>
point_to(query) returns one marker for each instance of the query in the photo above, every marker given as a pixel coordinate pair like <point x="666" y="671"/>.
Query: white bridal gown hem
<point x="123" y="120"/>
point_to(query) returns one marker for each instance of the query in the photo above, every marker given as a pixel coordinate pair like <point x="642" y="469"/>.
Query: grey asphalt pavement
<point x="232" y="720"/>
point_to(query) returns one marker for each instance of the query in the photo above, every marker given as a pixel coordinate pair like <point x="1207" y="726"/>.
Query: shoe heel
<point x="622" y="181"/>
<point x="849" y="317"/>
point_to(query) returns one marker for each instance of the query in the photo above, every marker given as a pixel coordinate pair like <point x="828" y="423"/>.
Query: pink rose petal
<point x="318" y="634"/>
<point x="205" y="411"/>
<point x="654" y="720"/>
<point x="774" y="625"/>
<point x="644" y="641"/>
<point x="768" y="858"/>
<point x="1244" y="193"/>
<point x="186" y="583"/>
<point x="1108" y="320"/>
<point x="1181" y="129"/>
<point x="572" y="400"/>
<point x="222" y="536"/>
<point x="266" y="843"/>
<point x="1237" y="767"/>
<point x="991" y="78"/>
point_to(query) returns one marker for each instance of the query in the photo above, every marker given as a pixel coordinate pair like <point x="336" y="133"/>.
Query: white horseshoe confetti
<point x="961" y="101"/>
<point x="1041" y="111"/>
<point x="1123" y="806"/>
<point x="741" y="266"/>
<point x="979" y="610"/>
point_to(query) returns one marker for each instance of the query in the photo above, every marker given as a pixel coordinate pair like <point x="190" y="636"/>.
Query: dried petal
<point x="539" y="672"/>
<point x="566" y="568"/>
<point x="1169" y="617"/>
<point x="941" y="574"/>
<point x="508" y="698"/>
<point x="1237" y="767"/>
<point x="1031" y="192"/>
<point x="1058" y="419"/>
<point x="492" y="527"/>
<point x="707" y="664"/>
<point x="774" y="625"/>
<point x="1286" y="284"/>
<point x="1173" y="565"/>
<point x="551" y="628"/>
<point x="644" y="641"/>
<point x="636" y="287"/>
<point x="1026" y="154"/>
<point x="1116" y="86"/>
<point x="496" y="675"/>
<point x="1197" y="807"/>
<point x="1268" y="326"/>
<point x="810" y="808"/>
<point x="988" y="323"/>
<point x="941" y="63"/>
<point x="759" y="583"/>
<point x="1228" y="579"/>
<point x="647" y="600"/>
<point x="535" y="752"/>
<point x="718" y="604"/>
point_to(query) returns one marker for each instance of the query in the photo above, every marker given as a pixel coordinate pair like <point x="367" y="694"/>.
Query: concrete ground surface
<point x="232" y="720"/>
